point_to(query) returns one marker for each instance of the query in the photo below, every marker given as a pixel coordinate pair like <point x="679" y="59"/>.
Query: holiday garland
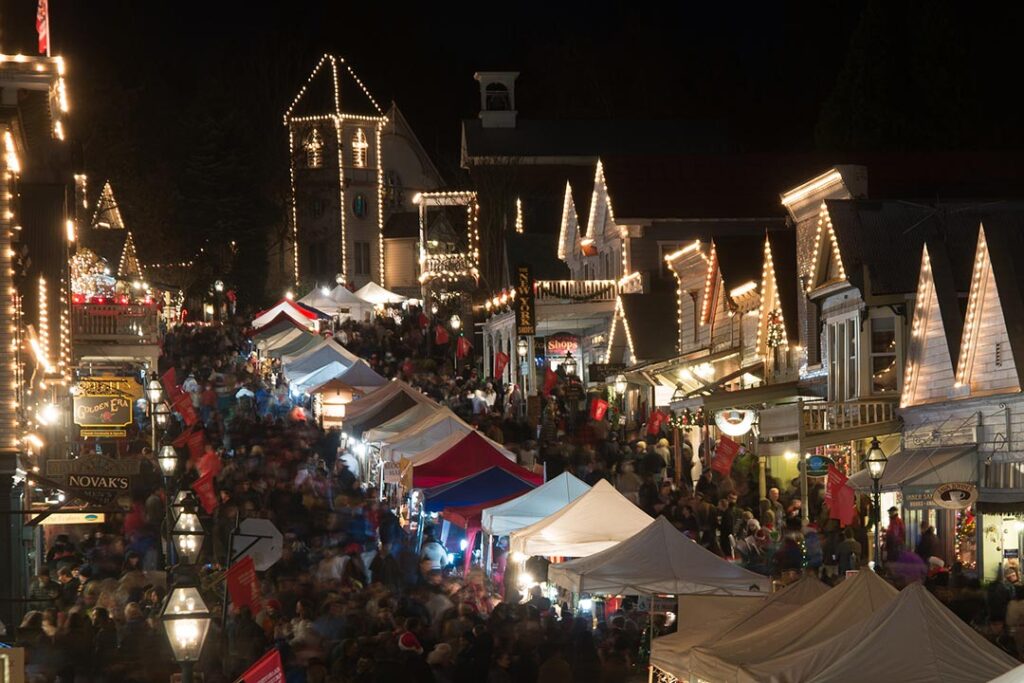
<point x="581" y="297"/>
<point x="776" y="330"/>
<point x="687" y="419"/>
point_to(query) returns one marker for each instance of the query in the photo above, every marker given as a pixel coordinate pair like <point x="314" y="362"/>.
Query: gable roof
<point x="107" y="215"/>
<point x="333" y="89"/>
<point x="653" y="324"/>
<point x="397" y="124"/>
<point x="1005" y="235"/>
<point x="783" y="259"/>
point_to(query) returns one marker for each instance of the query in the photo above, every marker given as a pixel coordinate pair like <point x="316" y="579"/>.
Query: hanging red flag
<point x="170" y="381"/>
<point x="267" y="669"/>
<point x="43" y="26"/>
<point x="243" y="586"/>
<point x="500" y="363"/>
<point x="440" y="335"/>
<point x="725" y="453"/>
<point x="598" y="409"/>
<point x="463" y="347"/>
<point x="207" y="492"/>
<point x="424" y="321"/>
<point x="196" y="443"/>
<point x="183" y="406"/>
<point x="654" y="423"/>
<point x="550" y="380"/>
<point x="840" y="497"/>
<point x="181" y="440"/>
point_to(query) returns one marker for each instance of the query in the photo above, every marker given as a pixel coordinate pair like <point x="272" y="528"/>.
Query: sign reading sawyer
<point x="526" y="324"/>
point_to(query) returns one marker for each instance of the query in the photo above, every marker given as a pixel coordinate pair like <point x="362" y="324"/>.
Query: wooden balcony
<point x="818" y="423"/>
<point x="94" y="323"/>
<point x="576" y="291"/>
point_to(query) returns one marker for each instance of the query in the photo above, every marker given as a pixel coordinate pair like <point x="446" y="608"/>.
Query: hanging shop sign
<point x="392" y="473"/>
<point x="104" y="433"/>
<point x="817" y="465"/>
<point x="735" y="422"/>
<point x="526" y="323"/>
<point x="66" y="518"/>
<point x="918" y="497"/>
<point x="105" y="402"/>
<point x="560" y="344"/>
<point x="599" y="372"/>
<point x="955" y="496"/>
<point x="94" y="473"/>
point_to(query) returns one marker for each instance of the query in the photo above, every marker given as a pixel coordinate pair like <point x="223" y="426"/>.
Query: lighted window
<point x="359" y="147"/>
<point x="884" y="356"/>
<point x="314" y="146"/>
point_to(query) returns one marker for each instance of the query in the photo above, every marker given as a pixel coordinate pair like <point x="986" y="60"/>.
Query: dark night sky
<point x="180" y="103"/>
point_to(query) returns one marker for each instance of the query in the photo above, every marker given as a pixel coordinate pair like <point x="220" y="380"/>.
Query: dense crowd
<point x="355" y="597"/>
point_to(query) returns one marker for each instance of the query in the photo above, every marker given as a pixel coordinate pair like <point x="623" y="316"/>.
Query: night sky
<point x="180" y="104"/>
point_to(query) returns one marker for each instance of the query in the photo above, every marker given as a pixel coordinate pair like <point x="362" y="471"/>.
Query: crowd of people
<point x="355" y="597"/>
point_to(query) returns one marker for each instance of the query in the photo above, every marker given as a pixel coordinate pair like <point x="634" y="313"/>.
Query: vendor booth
<point x="530" y="508"/>
<point x="386" y="403"/>
<point x="595" y="521"/>
<point x="348" y="305"/>
<point x="913" y="638"/>
<point x="285" y="309"/>
<point x="410" y="418"/>
<point x="708" y="619"/>
<point x="373" y="293"/>
<point x="493" y="483"/>
<point x="658" y="559"/>
<point x="851" y="602"/>
<point x="468" y="454"/>
<point x="421" y="437"/>
<point x="316" y="358"/>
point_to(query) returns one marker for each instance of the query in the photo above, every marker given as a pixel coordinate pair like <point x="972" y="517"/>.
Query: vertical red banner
<point x="500" y="363"/>
<point x="725" y="453"/>
<point x="267" y="669"/>
<point x="207" y="492"/>
<point x="598" y="409"/>
<point x="243" y="585"/>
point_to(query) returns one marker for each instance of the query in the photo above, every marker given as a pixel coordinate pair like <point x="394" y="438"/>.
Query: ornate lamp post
<point x="876" y="462"/>
<point x="456" y="324"/>
<point x="619" y="386"/>
<point x="187" y="536"/>
<point x="570" y="364"/>
<point x="186" y="621"/>
<point x="168" y="459"/>
<point x="155" y="396"/>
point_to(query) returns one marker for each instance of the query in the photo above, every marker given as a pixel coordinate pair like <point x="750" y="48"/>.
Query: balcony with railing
<point x="576" y="291"/>
<point x="114" y="323"/>
<point x="818" y="423"/>
<point x="454" y="265"/>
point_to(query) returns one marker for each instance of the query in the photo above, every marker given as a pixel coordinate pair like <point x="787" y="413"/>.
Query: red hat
<point x="408" y="642"/>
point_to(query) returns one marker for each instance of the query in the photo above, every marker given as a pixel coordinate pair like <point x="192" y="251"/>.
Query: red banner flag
<point x="170" y="382"/>
<point x="43" y="26"/>
<point x="463" y="347"/>
<point x="725" y="453"/>
<point x="183" y="406"/>
<point x="440" y="335"/>
<point x="196" y="443"/>
<point x="181" y="440"/>
<point x="207" y="492"/>
<point x="267" y="669"/>
<point x="424" y="321"/>
<point x="840" y="497"/>
<point x="550" y="380"/>
<point x="243" y="586"/>
<point x="598" y="409"/>
<point x="657" y="419"/>
<point x="500" y="363"/>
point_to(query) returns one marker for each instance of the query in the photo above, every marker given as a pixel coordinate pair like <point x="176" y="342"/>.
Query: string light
<point x="825" y="226"/>
<point x="620" y="314"/>
<point x="107" y="205"/>
<point x="822" y="182"/>
<point x="378" y="159"/>
<point x="771" y="322"/>
<point x="925" y="290"/>
<point x="519" y="216"/>
<point x="568" y="214"/>
<point x="44" y="321"/>
<point x="709" y="280"/>
<point x="456" y="266"/>
<point x="69" y="226"/>
<point x="979" y="278"/>
<point x="129" y="265"/>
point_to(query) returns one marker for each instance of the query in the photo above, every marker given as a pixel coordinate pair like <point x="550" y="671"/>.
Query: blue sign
<point x="817" y="465"/>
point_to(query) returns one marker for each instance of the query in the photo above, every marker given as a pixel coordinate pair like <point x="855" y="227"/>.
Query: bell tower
<point x="497" y="98"/>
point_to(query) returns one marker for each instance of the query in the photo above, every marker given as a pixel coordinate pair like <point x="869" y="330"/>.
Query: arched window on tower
<point x="359" y="148"/>
<point x="314" y="146"/>
<point x="498" y="97"/>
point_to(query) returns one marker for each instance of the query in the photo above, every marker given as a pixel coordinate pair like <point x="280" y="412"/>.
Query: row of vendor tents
<point x="731" y="626"/>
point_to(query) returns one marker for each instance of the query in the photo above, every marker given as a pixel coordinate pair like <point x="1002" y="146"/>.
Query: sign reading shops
<point x="105" y="402"/>
<point x="558" y="345"/>
<point x="526" y="323"/>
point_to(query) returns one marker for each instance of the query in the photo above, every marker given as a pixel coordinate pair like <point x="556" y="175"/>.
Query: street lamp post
<point x="155" y="395"/>
<point x="522" y="351"/>
<point x="186" y="621"/>
<point x="876" y="462"/>
<point x="456" y="324"/>
<point x="619" y="386"/>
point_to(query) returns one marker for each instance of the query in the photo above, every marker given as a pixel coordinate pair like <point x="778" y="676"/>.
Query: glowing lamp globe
<point x="168" y="460"/>
<point x="186" y="621"/>
<point x="876" y="460"/>
<point x="154" y="390"/>
<point x="188" y="537"/>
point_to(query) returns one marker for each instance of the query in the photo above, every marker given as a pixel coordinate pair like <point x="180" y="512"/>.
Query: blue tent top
<point x="315" y="311"/>
<point x="484" y="486"/>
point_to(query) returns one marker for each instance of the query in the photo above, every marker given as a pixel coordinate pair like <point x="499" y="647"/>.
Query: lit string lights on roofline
<point x="920" y="312"/>
<point x="979" y="276"/>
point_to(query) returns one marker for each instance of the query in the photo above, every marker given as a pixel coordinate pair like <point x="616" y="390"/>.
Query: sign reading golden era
<point x="105" y="402"/>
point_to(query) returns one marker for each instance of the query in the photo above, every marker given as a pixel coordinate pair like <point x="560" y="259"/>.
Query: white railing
<point x="828" y="416"/>
<point x="576" y="290"/>
<point x="118" y="323"/>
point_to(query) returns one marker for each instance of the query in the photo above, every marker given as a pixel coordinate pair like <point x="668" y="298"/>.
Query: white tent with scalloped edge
<point x="595" y="521"/>
<point x="376" y="294"/>
<point x="532" y="506"/>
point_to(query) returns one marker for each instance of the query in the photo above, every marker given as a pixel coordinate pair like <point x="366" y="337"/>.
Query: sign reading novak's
<point x="94" y="473"/>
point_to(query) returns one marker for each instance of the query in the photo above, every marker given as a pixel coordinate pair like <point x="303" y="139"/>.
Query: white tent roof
<point x="346" y="297"/>
<point x="361" y="376"/>
<point x="371" y="404"/>
<point x="711" y="618"/>
<point x="914" y="638"/>
<point x="1011" y="676"/>
<point x="306" y="383"/>
<point x="659" y="559"/>
<point x="424" y="435"/>
<point x="318" y="357"/>
<point x="288" y="308"/>
<point x="597" y="520"/>
<point x="376" y="294"/>
<point x="281" y="338"/>
<point x="851" y="602"/>
<point x="399" y="424"/>
<point x="320" y="300"/>
<point x="532" y="506"/>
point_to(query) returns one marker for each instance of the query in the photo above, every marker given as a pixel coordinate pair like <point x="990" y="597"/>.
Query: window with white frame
<point x="843" y="337"/>
<point x="884" y="355"/>
<point x="359" y="149"/>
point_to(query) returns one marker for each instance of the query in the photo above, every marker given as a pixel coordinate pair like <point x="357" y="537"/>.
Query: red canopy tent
<point x="472" y="454"/>
<point x="468" y="517"/>
<point x="287" y="308"/>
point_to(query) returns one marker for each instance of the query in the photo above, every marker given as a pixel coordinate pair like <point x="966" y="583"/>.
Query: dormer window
<point x="314" y="147"/>
<point x="359" y="149"/>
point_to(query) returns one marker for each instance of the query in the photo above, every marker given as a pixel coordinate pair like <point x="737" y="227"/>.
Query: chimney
<point x="497" y="98"/>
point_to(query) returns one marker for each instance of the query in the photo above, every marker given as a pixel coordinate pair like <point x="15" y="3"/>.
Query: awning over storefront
<point x="772" y="394"/>
<point x="923" y="467"/>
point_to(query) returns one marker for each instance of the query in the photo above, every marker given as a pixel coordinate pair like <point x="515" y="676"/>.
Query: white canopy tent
<point x="706" y="619"/>
<point x="349" y="304"/>
<point x="285" y="336"/>
<point x="851" y="602"/>
<point x="658" y="560"/>
<point x="317" y="358"/>
<point x="597" y="520"/>
<point x="914" y="638"/>
<point x="375" y="294"/>
<point x="397" y="425"/>
<point x="391" y="400"/>
<point x="421" y="437"/>
<point x="532" y="506"/>
<point x="320" y="299"/>
<point x="359" y="376"/>
<point x="306" y="383"/>
<point x="1012" y="676"/>
<point x="286" y="308"/>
